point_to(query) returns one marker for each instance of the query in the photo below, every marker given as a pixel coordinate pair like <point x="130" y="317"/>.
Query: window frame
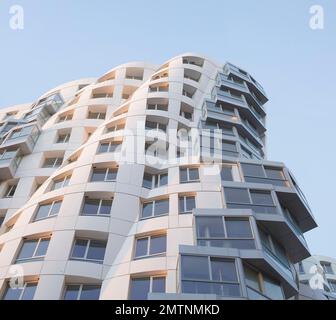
<point x="87" y="247"/>
<point x="185" y="197"/>
<point x="107" y="171"/>
<point x="64" y="182"/>
<point x="80" y="289"/>
<point x="51" y="204"/>
<point x="33" y="257"/>
<point x="188" y="175"/>
<point x="26" y="283"/>
<point x="153" y="202"/>
<point x="150" y="278"/>
<point x="97" y="214"/>
<point x="149" y="244"/>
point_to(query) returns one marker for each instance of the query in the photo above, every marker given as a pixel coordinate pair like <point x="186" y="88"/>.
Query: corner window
<point x="327" y="267"/>
<point x="260" y="201"/>
<point x="225" y="232"/>
<point x="207" y="275"/>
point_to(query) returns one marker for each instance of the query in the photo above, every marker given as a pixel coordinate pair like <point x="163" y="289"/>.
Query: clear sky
<point x="64" y="40"/>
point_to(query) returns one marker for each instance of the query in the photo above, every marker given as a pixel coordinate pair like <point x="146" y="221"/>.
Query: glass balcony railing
<point x="284" y="267"/>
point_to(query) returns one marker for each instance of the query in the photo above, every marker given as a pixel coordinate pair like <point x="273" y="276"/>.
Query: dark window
<point x="140" y="287"/>
<point x="226" y="173"/>
<point x="89" y="250"/>
<point x="236" y="195"/>
<point x="27" y="292"/>
<point x="82" y="292"/>
<point x="48" y="210"/>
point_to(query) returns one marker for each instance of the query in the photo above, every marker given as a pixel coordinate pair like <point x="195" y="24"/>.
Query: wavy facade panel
<point x="150" y="182"/>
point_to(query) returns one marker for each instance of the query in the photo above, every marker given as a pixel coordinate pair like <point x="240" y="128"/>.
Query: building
<point x="97" y="204"/>
<point x="317" y="275"/>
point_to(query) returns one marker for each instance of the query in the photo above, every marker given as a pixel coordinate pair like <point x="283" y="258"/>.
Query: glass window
<point x="89" y="250"/>
<point x="25" y="293"/>
<point x="140" y="287"/>
<point x="194" y="267"/>
<point x="161" y="207"/>
<point x="274" y="173"/>
<point x="327" y="267"/>
<point x="33" y="249"/>
<point x="273" y="289"/>
<point x="186" y="204"/>
<point x="61" y="183"/>
<point x="252" y="279"/>
<point x="52" y="162"/>
<point x="10" y="191"/>
<point x="147" y="210"/>
<point x="97" y="207"/>
<point x="106" y="174"/>
<point x="210" y="227"/>
<point x="189" y="175"/>
<point x="238" y="228"/>
<point x="48" y="210"/>
<point x="82" y="292"/>
<point x="226" y="173"/>
<point x="223" y="270"/>
<point x="262" y="198"/>
<point x="151" y="245"/>
<point x="253" y="170"/>
<point x="236" y="195"/>
<point x="147" y="181"/>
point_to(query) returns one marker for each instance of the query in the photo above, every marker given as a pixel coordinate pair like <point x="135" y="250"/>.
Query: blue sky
<point x="65" y="40"/>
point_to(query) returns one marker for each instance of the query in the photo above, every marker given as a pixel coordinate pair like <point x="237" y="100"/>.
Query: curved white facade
<point x="99" y="212"/>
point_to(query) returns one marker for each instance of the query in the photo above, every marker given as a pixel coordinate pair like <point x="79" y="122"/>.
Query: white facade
<point x="95" y="222"/>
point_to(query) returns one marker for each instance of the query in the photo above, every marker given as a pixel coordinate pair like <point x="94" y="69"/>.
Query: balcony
<point x="23" y="138"/>
<point x="51" y="103"/>
<point x="9" y="161"/>
<point x="251" y="82"/>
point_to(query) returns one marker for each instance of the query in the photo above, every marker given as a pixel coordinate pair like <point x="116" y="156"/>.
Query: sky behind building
<point x="67" y="40"/>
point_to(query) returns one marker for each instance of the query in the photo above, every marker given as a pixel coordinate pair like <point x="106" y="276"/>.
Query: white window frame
<point x="150" y="278"/>
<point x="153" y="202"/>
<point x="188" y="175"/>
<point x="99" y="207"/>
<point x="149" y="241"/>
<point x="79" y="290"/>
<point x="107" y="170"/>
<point x="65" y="182"/>
<point x="23" y="288"/>
<point x="33" y="257"/>
<point x="54" y="165"/>
<point x="49" y="211"/>
<point x="86" y="251"/>
<point x="185" y="211"/>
